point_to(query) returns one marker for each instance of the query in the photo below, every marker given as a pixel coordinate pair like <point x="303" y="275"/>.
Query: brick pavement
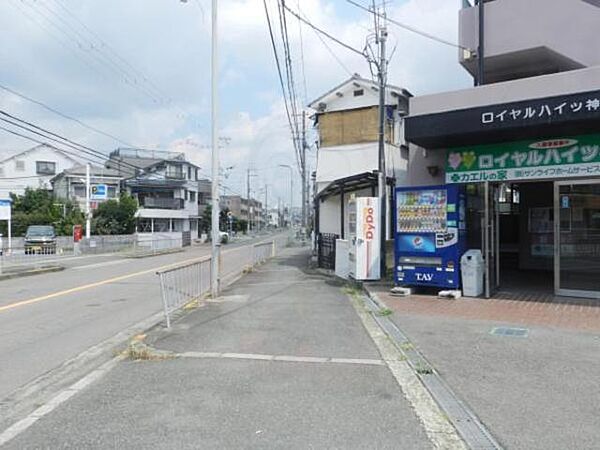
<point x="550" y="311"/>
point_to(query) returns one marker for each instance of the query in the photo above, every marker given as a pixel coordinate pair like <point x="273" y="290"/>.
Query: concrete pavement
<point x="535" y="392"/>
<point x="49" y="319"/>
<point x="228" y="389"/>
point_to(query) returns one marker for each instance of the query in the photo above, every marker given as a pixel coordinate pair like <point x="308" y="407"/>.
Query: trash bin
<point x="472" y="269"/>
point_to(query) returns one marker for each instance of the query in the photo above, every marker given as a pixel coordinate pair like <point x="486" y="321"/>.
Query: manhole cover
<point x="511" y="332"/>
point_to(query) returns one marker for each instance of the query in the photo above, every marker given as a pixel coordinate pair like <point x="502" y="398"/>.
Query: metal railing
<point x="189" y="282"/>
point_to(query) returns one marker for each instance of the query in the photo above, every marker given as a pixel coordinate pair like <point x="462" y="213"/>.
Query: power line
<point x="63" y="115"/>
<point x="37" y="130"/>
<point x="325" y="33"/>
<point x="331" y="52"/>
<point x="278" y="65"/>
<point x="408" y="27"/>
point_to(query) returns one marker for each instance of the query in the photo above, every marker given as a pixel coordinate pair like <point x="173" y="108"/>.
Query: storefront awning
<point x="351" y="184"/>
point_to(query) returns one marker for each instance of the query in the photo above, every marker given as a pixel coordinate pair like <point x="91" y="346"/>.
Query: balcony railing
<point x="163" y="203"/>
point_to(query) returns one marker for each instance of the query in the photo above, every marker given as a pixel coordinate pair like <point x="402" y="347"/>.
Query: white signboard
<point x="5" y="208"/>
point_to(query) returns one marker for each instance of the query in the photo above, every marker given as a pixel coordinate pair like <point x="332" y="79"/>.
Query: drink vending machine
<point x="430" y="236"/>
<point x="365" y="234"/>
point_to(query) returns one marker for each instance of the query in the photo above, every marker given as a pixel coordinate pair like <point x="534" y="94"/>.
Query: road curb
<point x="157" y="253"/>
<point x="31" y="272"/>
<point x="470" y="428"/>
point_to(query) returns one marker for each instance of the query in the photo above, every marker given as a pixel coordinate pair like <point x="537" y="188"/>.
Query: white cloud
<point x="170" y="43"/>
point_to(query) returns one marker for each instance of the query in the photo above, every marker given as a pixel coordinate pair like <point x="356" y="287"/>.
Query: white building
<point x="33" y="168"/>
<point x="167" y="194"/>
<point x="346" y="118"/>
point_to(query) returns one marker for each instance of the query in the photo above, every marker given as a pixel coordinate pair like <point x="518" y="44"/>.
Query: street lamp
<point x="291" y="188"/>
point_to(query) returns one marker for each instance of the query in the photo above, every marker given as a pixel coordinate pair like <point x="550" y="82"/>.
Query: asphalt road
<point x="50" y="318"/>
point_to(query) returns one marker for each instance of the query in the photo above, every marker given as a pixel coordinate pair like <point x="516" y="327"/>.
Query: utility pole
<point x="266" y="205"/>
<point x="303" y="170"/>
<point x="216" y="237"/>
<point x="248" y="200"/>
<point x="382" y="75"/>
<point x="88" y="231"/>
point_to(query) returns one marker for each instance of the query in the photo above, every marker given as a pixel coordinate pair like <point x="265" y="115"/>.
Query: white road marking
<point x="102" y="264"/>
<point x="438" y="428"/>
<point x="279" y="358"/>
<point x="23" y="424"/>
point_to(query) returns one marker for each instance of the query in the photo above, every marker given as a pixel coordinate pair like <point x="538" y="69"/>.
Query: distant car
<point x="40" y="239"/>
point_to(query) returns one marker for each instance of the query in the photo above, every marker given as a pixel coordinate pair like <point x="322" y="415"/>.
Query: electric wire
<point x="63" y="115"/>
<point x="410" y="28"/>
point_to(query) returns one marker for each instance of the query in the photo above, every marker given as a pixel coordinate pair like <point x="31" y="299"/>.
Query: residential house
<point x="70" y="184"/>
<point x="33" y="168"/>
<point x="167" y="194"/>
<point x="244" y="209"/>
<point x="131" y="161"/>
<point x="346" y="118"/>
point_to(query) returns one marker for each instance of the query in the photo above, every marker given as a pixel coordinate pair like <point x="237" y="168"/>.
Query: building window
<point x="189" y="172"/>
<point x="359" y="92"/>
<point x="196" y="177"/>
<point x="45" y="168"/>
<point x="20" y="165"/>
<point x="192" y="196"/>
<point x="112" y="191"/>
<point x="79" y="190"/>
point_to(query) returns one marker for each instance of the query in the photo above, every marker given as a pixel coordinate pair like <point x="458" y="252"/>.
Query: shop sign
<point x="568" y="157"/>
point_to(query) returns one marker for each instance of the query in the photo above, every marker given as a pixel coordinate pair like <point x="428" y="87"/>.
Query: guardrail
<point x="189" y="282"/>
<point x="21" y="258"/>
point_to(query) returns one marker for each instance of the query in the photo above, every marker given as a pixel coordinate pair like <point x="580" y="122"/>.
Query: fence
<point x="184" y="284"/>
<point x="326" y="250"/>
<point x="21" y="258"/>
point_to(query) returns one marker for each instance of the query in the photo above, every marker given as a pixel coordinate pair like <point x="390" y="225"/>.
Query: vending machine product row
<point x="430" y="236"/>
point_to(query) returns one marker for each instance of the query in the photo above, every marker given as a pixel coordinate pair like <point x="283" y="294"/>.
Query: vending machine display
<point x="430" y="236"/>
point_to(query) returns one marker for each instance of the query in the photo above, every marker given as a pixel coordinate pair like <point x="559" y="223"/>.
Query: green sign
<point x="577" y="156"/>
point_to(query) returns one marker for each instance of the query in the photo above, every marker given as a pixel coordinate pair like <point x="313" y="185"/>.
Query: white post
<point x="216" y="238"/>
<point x="10" y="234"/>
<point x="88" y="231"/>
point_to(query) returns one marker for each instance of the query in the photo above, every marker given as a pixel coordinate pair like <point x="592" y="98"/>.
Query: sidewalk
<point x="535" y="392"/>
<point x="281" y="361"/>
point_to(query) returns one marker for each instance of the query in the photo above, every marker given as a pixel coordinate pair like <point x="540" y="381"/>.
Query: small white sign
<point x="5" y="209"/>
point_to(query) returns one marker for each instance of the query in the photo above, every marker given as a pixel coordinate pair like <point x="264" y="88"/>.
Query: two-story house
<point x="33" y="168"/>
<point x="347" y="121"/>
<point x="167" y="194"/>
<point x="70" y="184"/>
<point x="523" y="144"/>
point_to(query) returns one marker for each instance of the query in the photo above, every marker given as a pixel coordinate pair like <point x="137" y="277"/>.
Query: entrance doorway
<point x="577" y="238"/>
<point x="512" y="224"/>
<point x="529" y="255"/>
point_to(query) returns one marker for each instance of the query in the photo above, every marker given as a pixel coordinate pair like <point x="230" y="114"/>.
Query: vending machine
<point x="430" y="236"/>
<point x="365" y="234"/>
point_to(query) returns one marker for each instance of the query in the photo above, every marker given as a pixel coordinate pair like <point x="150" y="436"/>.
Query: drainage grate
<point x="510" y="332"/>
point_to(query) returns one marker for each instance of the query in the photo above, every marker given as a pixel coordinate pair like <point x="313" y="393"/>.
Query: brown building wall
<point x="350" y="127"/>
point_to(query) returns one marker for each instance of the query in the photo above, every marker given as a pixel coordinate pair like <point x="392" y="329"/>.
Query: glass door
<point x="491" y="237"/>
<point x="577" y="238"/>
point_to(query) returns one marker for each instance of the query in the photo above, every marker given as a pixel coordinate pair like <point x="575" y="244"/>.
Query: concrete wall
<point x="561" y="32"/>
<point x="419" y="161"/>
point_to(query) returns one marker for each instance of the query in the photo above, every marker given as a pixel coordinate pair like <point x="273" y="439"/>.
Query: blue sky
<point x="52" y="57"/>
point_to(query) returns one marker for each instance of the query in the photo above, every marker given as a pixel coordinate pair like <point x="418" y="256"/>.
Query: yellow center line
<point x="96" y="284"/>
